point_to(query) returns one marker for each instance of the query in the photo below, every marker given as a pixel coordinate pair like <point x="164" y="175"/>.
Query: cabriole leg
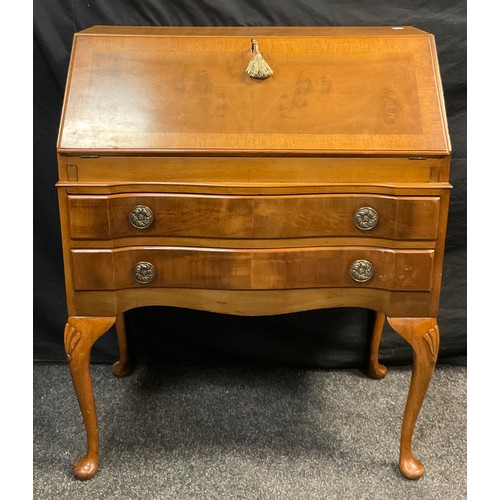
<point x="375" y="369"/>
<point x="122" y="367"/>
<point x="423" y="336"/>
<point x="79" y="336"/>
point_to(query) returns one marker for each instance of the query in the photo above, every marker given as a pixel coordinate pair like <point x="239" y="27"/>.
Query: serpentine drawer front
<point x="122" y="215"/>
<point x="222" y="268"/>
<point x="301" y="168"/>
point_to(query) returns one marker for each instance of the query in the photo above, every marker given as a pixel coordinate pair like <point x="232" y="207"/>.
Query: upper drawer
<point x="267" y="217"/>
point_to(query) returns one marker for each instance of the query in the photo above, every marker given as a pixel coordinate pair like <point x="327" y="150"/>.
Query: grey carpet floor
<point x="249" y="433"/>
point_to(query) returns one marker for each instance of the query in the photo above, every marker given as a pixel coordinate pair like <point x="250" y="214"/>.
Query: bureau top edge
<point x="275" y="153"/>
<point x="218" y="31"/>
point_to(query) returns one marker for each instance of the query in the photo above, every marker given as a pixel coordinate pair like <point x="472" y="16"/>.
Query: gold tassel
<point x="258" y="67"/>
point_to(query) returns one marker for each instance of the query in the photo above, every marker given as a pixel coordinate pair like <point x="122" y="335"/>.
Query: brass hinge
<point x="89" y="156"/>
<point x="417" y="157"/>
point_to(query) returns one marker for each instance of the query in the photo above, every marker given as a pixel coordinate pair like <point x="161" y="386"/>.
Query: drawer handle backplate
<point x="361" y="270"/>
<point x="366" y="218"/>
<point x="144" y="272"/>
<point x="141" y="217"/>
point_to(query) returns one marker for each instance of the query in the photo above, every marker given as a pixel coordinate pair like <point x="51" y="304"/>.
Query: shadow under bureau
<point x="253" y="171"/>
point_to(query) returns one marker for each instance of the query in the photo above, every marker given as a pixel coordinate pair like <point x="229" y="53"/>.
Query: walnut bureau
<point x="253" y="171"/>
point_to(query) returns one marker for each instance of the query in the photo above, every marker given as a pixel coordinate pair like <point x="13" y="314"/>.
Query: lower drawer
<point x="208" y="268"/>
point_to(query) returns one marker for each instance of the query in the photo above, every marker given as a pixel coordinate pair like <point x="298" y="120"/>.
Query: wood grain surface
<point x="337" y="92"/>
<point x="255" y="269"/>
<point x="274" y="217"/>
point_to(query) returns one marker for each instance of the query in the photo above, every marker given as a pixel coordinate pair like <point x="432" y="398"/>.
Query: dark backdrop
<point x="326" y="338"/>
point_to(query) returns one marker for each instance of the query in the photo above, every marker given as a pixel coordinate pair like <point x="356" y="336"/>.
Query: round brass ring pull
<point x="141" y="217"/>
<point x="366" y="218"/>
<point x="361" y="270"/>
<point x="144" y="272"/>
